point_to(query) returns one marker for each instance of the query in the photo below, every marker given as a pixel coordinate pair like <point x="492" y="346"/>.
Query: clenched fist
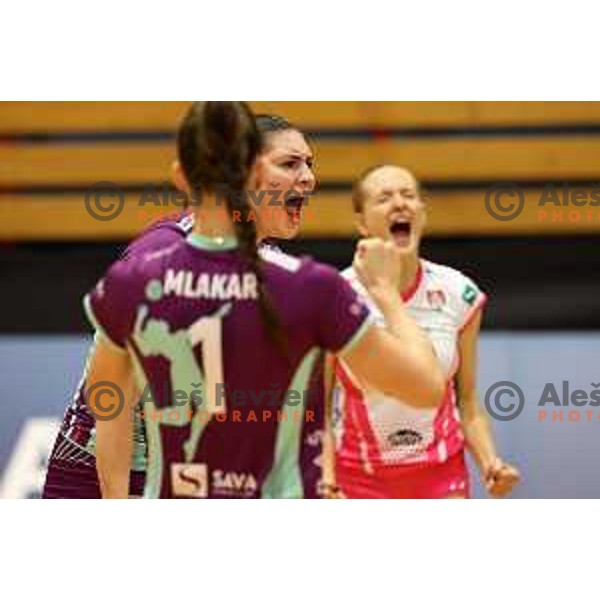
<point x="500" y="478"/>
<point x="377" y="264"/>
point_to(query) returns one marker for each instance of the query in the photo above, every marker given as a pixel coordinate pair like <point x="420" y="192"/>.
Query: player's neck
<point x="410" y="271"/>
<point x="214" y="221"/>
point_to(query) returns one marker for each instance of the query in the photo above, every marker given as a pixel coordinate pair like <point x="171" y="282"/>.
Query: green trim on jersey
<point x="285" y="478"/>
<point x="154" y="339"/>
<point x="212" y="244"/>
<point x="154" y="465"/>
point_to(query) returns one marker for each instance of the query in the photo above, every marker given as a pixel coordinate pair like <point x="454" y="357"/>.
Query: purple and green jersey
<point x="226" y="413"/>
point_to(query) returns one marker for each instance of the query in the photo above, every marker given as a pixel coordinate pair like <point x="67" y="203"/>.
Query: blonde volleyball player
<point x="386" y="448"/>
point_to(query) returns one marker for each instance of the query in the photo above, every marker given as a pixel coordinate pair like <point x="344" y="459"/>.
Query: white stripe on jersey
<point x="277" y="257"/>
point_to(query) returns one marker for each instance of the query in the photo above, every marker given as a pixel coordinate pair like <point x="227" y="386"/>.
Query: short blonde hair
<point x="358" y="192"/>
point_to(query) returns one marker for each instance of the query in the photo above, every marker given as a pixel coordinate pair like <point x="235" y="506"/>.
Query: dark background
<point x="533" y="283"/>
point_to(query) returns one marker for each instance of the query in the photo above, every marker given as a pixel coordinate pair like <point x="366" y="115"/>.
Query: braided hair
<point x="218" y="143"/>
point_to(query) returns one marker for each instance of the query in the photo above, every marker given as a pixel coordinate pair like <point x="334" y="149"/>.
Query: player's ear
<point x="359" y="222"/>
<point x="179" y="178"/>
<point x="256" y="177"/>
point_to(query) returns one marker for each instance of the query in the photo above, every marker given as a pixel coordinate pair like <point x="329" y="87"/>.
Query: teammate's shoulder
<point x="310" y="275"/>
<point x="146" y="263"/>
<point x="160" y="234"/>
<point x="182" y="225"/>
<point x="445" y="275"/>
<point x="300" y="267"/>
<point x="276" y="257"/>
<point x="463" y="292"/>
<point x="318" y="268"/>
<point x="349" y="274"/>
<point x="119" y="282"/>
<point x="123" y="269"/>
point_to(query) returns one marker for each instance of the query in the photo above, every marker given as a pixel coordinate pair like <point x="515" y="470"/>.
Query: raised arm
<point x="399" y="361"/>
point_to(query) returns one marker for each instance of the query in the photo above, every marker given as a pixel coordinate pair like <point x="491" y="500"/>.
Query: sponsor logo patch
<point x="405" y="437"/>
<point x="235" y="485"/>
<point x="469" y="295"/>
<point x="189" y="480"/>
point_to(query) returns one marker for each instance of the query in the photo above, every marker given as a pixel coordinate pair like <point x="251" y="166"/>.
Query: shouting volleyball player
<point x="286" y="161"/>
<point x="387" y="448"/>
<point x="210" y="313"/>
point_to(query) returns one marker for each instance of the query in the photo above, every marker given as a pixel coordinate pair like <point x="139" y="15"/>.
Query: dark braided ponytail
<point x="218" y="143"/>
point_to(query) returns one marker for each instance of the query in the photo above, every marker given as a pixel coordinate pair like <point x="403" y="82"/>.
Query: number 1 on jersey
<point x="208" y="331"/>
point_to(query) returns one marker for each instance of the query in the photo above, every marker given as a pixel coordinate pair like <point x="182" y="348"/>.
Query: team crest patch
<point x="469" y="295"/>
<point x="436" y="299"/>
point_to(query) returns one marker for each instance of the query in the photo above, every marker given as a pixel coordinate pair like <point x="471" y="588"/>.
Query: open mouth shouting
<point x="294" y="203"/>
<point x="401" y="230"/>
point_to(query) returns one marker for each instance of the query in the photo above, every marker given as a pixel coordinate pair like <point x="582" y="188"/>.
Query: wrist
<point x="487" y="463"/>
<point x="385" y="295"/>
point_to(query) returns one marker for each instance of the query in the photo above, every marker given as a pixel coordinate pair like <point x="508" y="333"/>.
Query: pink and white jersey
<point x="374" y="430"/>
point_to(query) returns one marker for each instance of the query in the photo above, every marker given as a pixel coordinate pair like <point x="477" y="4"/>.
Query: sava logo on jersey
<point x="236" y="485"/>
<point x="189" y="480"/>
<point x="192" y="481"/>
<point x="405" y="437"/>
